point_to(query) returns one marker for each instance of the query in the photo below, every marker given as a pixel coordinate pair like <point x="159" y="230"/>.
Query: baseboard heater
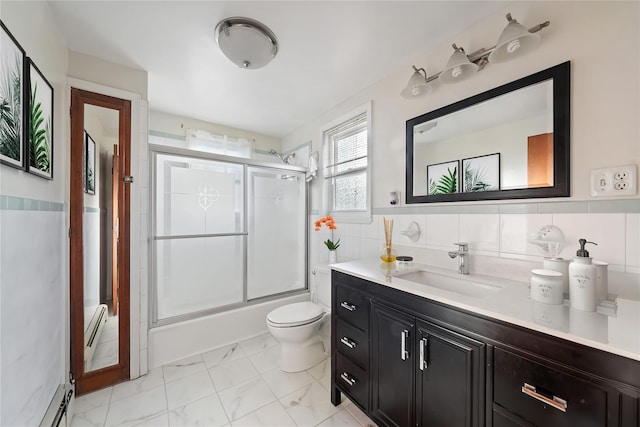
<point x="57" y="410"/>
<point x="92" y="334"/>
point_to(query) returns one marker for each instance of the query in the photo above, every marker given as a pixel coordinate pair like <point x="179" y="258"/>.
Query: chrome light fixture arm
<point x="481" y="56"/>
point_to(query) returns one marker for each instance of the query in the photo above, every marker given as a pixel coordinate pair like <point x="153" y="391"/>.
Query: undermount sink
<point x="463" y="285"/>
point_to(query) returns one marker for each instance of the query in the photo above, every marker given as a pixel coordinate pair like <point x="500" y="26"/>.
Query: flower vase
<point x="333" y="256"/>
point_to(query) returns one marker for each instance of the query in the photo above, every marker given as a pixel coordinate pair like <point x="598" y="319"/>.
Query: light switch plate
<point x="616" y="181"/>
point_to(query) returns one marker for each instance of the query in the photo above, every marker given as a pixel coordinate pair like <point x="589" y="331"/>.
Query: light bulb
<point x="415" y="91"/>
<point x="513" y="46"/>
<point x="456" y="72"/>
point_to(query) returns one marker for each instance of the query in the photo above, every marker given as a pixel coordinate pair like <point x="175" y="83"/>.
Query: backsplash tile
<point x="442" y="230"/>
<point x="632" y="243"/>
<point x="482" y="232"/>
<point x="498" y="241"/>
<point x="515" y="230"/>
<point x="607" y="230"/>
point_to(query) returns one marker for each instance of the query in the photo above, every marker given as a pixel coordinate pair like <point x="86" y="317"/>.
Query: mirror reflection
<point x="508" y="142"/>
<point x="100" y="236"/>
<point x="500" y="144"/>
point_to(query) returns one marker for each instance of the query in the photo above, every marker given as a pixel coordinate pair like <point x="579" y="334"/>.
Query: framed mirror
<point x="511" y="142"/>
<point x="99" y="239"/>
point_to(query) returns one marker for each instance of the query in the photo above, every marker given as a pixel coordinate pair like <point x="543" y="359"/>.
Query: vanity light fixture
<point x="514" y="41"/>
<point x="418" y="84"/>
<point x="458" y="67"/>
<point x="246" y="42"/>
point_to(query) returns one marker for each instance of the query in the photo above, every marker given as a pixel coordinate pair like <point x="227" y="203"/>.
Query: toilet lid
<point x="294" y="314"/>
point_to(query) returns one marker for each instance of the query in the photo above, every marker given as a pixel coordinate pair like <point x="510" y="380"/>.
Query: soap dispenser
<point x="582" y="280"/>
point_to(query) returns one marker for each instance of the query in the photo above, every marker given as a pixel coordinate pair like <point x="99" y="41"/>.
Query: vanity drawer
<point x="546" y="396"/>
<point x="352" y="342"/>
<point x="351" y="306"/>
<point x="352" y="380"/>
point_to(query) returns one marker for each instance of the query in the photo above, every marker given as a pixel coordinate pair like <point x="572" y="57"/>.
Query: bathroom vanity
<point x="483" y="354"/>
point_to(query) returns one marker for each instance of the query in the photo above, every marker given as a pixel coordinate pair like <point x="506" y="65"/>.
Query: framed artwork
<point x="442" y="178"/>
<point x="12" y="100"/>
<point x="40" y="119"/>
<point x="481" y="173"/>
<point x="90" y="164"/>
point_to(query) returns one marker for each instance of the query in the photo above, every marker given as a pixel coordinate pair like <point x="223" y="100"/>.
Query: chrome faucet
<point x="463" y="257"/>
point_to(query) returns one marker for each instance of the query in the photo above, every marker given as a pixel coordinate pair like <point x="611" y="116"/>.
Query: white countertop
<point x="619" y="334"/>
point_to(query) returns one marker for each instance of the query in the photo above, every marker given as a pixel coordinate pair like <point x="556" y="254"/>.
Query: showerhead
<point x="283" y="158"/>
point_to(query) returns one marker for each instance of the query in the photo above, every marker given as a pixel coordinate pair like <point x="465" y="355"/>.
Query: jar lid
<point x="404" y="258"/>
<point x="548" y="273"/>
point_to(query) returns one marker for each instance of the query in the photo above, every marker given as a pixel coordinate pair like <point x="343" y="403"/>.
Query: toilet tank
<point x="321" y="285"/>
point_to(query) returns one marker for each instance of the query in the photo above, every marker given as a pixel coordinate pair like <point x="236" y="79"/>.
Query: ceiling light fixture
<point x="246" y="42"/>
<point x="514" y="41"/>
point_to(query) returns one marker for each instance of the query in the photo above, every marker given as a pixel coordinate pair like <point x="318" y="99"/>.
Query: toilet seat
<point x="296" y="314"/>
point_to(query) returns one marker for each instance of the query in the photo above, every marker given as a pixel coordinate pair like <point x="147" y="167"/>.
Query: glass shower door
<point x="276" y="225"/>
<point x="199" y="237"/>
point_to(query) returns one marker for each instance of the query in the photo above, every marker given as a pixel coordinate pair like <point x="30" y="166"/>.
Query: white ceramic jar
<point x="560" y="265"/>
<point x="547" y="286"/>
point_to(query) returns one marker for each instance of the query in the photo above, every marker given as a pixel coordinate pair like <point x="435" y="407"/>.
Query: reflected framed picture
<point x="12" y="99"/>
<point x="442" y="178"/>
<point x="481" y="173"/>
<point x="90" y="164"/>
<point x="40" y="119"/>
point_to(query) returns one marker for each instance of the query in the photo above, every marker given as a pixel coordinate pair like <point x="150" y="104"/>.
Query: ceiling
<point x="329" y="51"/>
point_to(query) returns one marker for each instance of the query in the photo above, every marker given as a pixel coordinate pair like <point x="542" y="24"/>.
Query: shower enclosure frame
<point x="154" y="151"/>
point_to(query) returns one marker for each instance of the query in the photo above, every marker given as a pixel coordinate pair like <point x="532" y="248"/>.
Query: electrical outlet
<point x="616" y="181"/>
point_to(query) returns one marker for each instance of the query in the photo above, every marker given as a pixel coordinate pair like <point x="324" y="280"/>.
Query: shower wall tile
<point x="607" y="230"/>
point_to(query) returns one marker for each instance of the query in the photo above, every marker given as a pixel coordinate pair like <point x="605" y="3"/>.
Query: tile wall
<point x="498" y="235"/>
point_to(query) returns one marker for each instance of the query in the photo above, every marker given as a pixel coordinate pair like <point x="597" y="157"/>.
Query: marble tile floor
<point x="236" y="385"/>
<point x="106" y="353"/>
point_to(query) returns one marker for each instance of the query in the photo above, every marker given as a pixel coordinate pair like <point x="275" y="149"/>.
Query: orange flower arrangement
<point x="331" y="225"/>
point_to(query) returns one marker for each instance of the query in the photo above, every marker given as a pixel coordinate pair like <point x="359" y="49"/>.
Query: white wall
<point x="96" y="70"/>
<point x="604" y="90"/>
<point x="605" y="106"/>
<point x="33" y="246"/>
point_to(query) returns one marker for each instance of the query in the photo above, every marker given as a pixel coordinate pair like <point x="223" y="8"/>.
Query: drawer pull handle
<point x="404" y="353"/>
<point x="423" y="351"/>
<point x="348" y="379"/>
<point x="349" y="343"/>
<point x="554" y="401"/>
<point x="348" y="306"/>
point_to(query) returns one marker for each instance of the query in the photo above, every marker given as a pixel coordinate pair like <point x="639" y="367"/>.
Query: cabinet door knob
<point x="403" y="345"/>
<point x="423" y="350"/>
<point x="549" y="399"/>
<point x="348" y="379"/>
<point x="348" y="306"/>
<point x="349" y="343"/>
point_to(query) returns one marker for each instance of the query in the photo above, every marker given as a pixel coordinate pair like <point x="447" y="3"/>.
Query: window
<point x="347" y="171"/>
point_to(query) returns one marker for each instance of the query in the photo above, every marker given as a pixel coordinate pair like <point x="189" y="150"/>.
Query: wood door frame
<point x="86" y="382"/>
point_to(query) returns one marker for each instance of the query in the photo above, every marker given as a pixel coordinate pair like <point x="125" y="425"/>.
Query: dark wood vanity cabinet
<point x="392" y="365"/>
<point x="449" y="378"/>
<point x="409" y="361"/>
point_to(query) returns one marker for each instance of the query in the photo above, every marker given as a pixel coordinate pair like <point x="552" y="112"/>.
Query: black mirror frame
<point x="560" y="74"/>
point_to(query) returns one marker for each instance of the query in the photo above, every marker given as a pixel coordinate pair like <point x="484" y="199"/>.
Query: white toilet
<point x="301" y="327"/>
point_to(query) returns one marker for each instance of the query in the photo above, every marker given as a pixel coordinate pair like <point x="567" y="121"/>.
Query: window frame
<point x="356" y="216"/>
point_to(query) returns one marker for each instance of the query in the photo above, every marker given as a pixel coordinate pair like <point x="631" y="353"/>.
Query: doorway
<point x="99" y="239"/>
